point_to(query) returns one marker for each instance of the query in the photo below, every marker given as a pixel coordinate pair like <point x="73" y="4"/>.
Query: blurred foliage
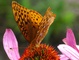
<point x="65" y="18"/>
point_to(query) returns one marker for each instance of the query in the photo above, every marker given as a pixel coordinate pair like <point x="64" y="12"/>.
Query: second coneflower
<point x="70" y="50"/>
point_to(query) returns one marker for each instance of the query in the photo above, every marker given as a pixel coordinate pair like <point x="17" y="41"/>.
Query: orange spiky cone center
<point x="43" y="52"/>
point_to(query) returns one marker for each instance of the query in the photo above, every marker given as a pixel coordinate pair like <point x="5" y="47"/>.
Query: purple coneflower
<point x="70" y="50"/>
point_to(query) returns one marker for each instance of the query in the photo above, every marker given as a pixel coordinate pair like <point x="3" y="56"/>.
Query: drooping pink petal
<point x="63" y="57"/>
<point x="10" y="45"/>
<point x="69" y="52"/>
<point x="70" y="39"/>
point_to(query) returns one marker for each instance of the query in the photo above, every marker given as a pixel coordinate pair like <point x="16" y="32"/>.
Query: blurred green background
<point x="67" y="15"/>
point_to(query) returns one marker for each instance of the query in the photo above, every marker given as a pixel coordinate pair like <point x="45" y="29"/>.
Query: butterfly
<point x="32" y="24"/>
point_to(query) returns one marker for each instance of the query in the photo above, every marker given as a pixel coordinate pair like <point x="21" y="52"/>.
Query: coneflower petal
<point x="68" y="51"/>
<point x="10" y="45"/>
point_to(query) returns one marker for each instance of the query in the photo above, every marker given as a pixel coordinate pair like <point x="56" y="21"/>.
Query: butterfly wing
<point x="47" y="20"/>
<point x="27" y="20"/>
<point x="33" y="26"/>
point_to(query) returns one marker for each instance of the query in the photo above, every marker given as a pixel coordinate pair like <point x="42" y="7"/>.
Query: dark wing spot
<point x="36" y="18"/>
<point x="26" y="22"/>
<point x="27" y="12"/>
<point x="24" y="15"/>
<point x="33" y="26"/>
<point x="35" y="23"/>
<point x="21" y="13"/>
<point x="24" y="11"/>
<point x="15" y="13"/>
<point x="18" y="19"/>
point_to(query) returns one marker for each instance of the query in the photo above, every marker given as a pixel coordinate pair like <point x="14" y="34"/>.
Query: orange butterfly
<point x="33" y="25"/>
